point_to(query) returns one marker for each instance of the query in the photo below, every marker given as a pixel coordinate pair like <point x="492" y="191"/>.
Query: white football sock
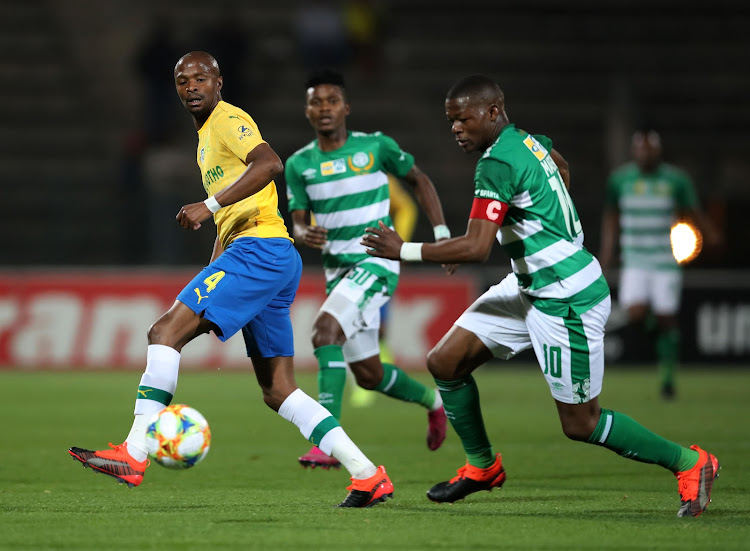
<point x="162" y="369"/>
<point x="338" y="444"/>
<point x="307" y="414"/>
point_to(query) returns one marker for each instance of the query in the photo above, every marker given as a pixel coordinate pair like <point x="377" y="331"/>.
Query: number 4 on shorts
<point x="213" y="280"/>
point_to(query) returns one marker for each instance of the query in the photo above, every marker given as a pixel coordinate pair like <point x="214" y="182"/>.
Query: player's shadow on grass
<point x="519" y="507"/>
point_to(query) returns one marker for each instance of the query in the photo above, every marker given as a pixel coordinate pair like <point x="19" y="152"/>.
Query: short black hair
<point x="325" y="76"/>
<point x="476" y="86"/>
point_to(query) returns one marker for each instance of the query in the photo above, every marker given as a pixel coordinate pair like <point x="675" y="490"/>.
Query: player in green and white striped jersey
<point x="644" y="199"/>
<point x="556" y="301"/>
<point x="342" y="179"/>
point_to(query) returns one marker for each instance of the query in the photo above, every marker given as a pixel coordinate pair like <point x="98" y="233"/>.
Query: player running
<point x="341" y="178"/>
<point x="556" y="301"/>
<point x="249" y="286"/>
<point x="644" y="199"/>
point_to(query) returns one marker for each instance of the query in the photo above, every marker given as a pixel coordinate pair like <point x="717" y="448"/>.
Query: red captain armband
<point x="488" y="209"/>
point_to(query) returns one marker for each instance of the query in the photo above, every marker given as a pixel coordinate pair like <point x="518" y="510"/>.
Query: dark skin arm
<point x="474" y="246"/>
<point x="263" y="165"/>
<point x="304" y="232"/>
<point x="218" y="249"/>
<point x="610" y="231"/>
<point x="562" y="166"/>
<point x="427" y="197"/>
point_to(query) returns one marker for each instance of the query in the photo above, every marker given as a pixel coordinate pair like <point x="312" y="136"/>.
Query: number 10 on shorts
<point x="553" y="361"/>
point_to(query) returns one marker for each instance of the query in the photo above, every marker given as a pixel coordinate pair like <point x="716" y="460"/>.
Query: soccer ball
<point x="178" y="437"/>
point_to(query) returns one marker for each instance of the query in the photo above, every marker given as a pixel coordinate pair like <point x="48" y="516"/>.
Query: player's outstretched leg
<point x="397" y="384"/>
<point x="469" y="479"/>
<point x="115" y="462"/>
<point x="127" y="462"/>
<point x="695" y="484"/>
<point x="370" y="484"/>
<point x="694" y="468"/>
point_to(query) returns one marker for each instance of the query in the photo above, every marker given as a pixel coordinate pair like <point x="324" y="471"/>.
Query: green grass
<point x="250" y="493"/>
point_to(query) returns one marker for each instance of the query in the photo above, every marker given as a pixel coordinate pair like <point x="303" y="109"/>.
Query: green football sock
<point x="461" y="402"/>
<point x="399" y="385"/>
<point x="667" y="352"/>
<point x="331" y="378"/>
<point x="621" y="434"/>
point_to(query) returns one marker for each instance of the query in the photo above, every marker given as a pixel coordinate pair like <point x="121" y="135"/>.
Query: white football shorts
<point x="570" y="350"/>
<point x="659" y="289"/>
<point x="355" y="303"/>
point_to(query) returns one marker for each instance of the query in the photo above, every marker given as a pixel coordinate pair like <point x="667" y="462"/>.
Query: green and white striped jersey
<point x="347" y="190"/>
<point x="541" y="231"/>
<point x="648" y="204"/>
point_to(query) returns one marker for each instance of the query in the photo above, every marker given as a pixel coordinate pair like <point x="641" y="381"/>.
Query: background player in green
<point x="556" y="301"/>
<point x="248" y="286"/>
<point x="341" y="178"/>
<point x="644" y="199"/>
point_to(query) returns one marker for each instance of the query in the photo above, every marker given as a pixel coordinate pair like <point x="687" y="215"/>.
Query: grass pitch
<point x="250" y="493"/>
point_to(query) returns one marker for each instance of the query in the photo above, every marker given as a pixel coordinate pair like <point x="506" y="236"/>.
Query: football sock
<point x="155" y="392"/>
<point x="323" y="430"/>
<point x="461" y="401"/>
<point x="399" y="385"/>
<point x="331" y="377"/>
<point x="621" y="434"/>
<point x="667" y="352"/>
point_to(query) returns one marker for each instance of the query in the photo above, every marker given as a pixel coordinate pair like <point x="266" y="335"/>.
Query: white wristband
<point x="212" y="204"/>
<point x="441" y="231"/>
<point x="411" y="252"/>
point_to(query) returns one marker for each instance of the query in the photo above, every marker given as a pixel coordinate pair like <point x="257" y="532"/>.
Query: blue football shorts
<point x="250" y="287"/>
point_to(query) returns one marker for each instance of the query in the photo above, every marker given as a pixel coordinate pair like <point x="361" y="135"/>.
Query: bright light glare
<point x="687" y="242"/>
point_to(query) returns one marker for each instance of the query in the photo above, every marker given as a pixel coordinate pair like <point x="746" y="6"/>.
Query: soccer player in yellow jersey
<point x="249" y="285"/>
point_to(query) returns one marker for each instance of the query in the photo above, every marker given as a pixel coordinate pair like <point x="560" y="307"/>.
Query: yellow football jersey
<point x="224" y="141"/>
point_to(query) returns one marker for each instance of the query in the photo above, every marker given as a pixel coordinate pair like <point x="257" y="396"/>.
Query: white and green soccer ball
<point x="178" y="437"/>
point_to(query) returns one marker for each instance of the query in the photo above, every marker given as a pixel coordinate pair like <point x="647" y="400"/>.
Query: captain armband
<point x="488" y="209"/>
